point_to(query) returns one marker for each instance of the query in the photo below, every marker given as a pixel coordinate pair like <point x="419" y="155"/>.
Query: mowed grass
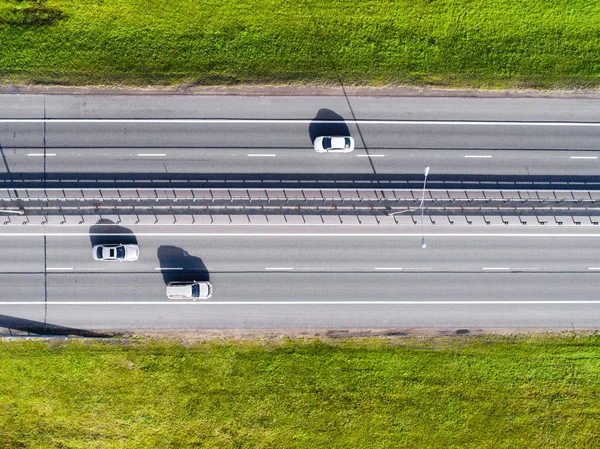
<point x="471" y="392"/>
<point x="472" y="43"/>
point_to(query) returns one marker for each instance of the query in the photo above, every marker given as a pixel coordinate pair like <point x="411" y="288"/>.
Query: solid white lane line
<point x="299" y="121"/>
<point x="495" y="268"/>
<point x="478" y="156"/>
<point x="370" y="155"/>
<point x="60" y="268"/>
<point x="151" y="154"/>
<point x="584" y="157"/>
<point x="296" y="303"/>
<point x="166" y="268"/>
<point x="278" y="268"/>
<point x="261" y="155"/>
<point x="41" y="154"/>
<point x="296" y="234"/>
<point x="387" y="268"/>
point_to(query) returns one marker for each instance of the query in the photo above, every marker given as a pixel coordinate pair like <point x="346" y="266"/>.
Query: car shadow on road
<point x="11" y="323"/>
<point x="106" y="232"/>
<point x="316" y="129"/>
<point x="177" y="265"/>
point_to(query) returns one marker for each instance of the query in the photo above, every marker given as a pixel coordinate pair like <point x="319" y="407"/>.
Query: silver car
<point x="189" y="290"/>
<point x="116" y="252"/>
<point x="334" y="144"/>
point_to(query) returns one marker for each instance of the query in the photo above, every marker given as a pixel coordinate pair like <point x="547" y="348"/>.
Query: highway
<point x="291" y="278"/>
<point x="274" y="136"/>
<point x="286" y="280"/>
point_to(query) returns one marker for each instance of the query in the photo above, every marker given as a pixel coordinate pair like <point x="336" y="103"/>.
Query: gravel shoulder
<point x="298" y="90"/>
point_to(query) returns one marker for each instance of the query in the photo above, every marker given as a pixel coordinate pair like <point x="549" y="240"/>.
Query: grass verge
<point x="467" y="392"/>
<point x="446" y="43"/>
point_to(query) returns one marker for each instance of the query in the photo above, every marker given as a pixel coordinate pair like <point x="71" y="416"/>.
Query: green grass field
<point x="467" y="392"/>
<point x="457" y="43"/>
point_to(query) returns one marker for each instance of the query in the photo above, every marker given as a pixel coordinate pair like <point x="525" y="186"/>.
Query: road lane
<point x="123" y="161"/>
<point x="22" y="287"/>
<point x="22" y="254"/>
<point x="141" y="287"/>
<point x="420" y="107"/>
<point x="224" y="148"/>
<point x="290" y="317"/>
<point x="298" y="267"/>
<point x="342" y="254"/>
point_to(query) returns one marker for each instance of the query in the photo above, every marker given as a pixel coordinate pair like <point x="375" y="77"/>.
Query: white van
<point x="189" y="290"/>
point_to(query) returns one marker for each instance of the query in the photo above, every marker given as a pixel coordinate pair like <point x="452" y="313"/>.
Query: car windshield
<point x="120" y="252"/>
<point x="326" y="142"/>
<point x="195" y="291"/>
<point x="99" y="253"/>
<point x="347" y="142"/>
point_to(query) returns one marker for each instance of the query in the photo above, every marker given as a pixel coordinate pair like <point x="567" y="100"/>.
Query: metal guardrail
<point x="299" y="219"/>
<point x="299" y="206"/>
<point x="297" y="201"/>
<point x="293" y="181"/>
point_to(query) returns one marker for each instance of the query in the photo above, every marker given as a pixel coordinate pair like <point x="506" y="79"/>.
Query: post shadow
<point x="327" y="129"/>
<point x="177" y="265"/>
<point x="110" y="233"/>
<point x="37" y="327"/>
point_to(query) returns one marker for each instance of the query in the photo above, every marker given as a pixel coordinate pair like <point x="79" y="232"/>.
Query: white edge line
<point x="584" y="157"/>
<point x="495" y="268"/>
<point x="59" y="268"/>
<point x="299" y="121"/>
<point x="594" y="268"/>
<point x="151" y="154"/>
<point x="261" y="155"/>
<point x="478" y="156"/>
<point x="285" y="303"/>
<point x="387" y="268"/>
<point x="278" y="268"/>
<point x="41" y="154"/>
<point x="159" y="268"/>
<point x="294" y="234"/>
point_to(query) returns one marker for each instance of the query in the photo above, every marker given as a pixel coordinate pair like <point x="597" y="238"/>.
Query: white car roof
<point x="338" y="142"/>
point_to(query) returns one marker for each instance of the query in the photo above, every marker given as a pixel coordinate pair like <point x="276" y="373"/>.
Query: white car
<point x="116" y="252"/>
<point x="334" y="144"/>
<point x="189" y="290"/>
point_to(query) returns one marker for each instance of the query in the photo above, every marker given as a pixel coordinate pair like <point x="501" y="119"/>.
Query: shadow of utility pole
<point x="36" y="327"/>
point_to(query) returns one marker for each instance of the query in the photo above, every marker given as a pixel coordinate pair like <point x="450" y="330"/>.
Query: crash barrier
<point x="300" y="206"/>
<point x="306" y="195"/>
<point x="287" y="219"/>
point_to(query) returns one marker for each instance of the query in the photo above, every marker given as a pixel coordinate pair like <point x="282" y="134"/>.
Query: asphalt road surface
<point x="239" y="135"/>
<point x="300" y="280"/>
<point x="313" y="280"/>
